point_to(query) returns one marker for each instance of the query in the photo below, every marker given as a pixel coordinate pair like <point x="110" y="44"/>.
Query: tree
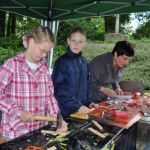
<point x="25" y="24"/>
<point x="2" y="23"/>
<point x="110" y="22"/>
<point x="93" y="26"/>
<point x="143" y="31"/>
<point x="11" y="24"/>
<point x="143" y="16"/>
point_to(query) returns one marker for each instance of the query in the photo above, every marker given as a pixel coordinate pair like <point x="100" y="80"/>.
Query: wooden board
<point x="134" y="109"/>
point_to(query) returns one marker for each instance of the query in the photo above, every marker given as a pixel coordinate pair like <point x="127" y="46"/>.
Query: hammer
<point x="57" y="119"/>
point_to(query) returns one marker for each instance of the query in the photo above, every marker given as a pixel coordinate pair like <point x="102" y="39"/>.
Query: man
<point x="106" y="69"/>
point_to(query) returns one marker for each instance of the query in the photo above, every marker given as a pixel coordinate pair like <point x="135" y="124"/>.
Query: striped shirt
<point x="23" y="89"/>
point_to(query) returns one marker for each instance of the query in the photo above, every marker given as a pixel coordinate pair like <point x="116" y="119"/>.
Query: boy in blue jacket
<point x="71" y="76"/>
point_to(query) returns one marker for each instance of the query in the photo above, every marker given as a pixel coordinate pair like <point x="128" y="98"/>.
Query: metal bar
<point x="60" y="15"/>
<point x="93" y="3"/>
<point x="82" y="128"/>
<point x="29" y="8"/>
<point x="115" y="136"/>
<point x="60" y="9"/>
<point x="50" y="9"/>
<point x="112" y="2"/>
<point x="87" y="13"/>
<point x="113" y="9"/>
<point x="37" y="13"/>
<point x="140" y="1"/>
<point x="18" y="3"/>
<point x="9" y="7"/>
<point x="41" y="7"/>
<point x="147" y="5"/>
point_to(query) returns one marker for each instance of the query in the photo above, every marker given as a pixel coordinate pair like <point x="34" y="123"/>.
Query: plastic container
<point x="121" y="120"/>
<point x="122" y="114"/>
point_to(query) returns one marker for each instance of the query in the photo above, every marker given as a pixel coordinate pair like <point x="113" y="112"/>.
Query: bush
<point x="5" y="54"/>
<point x="137" y="69"/>
<point x="143" y="31"/>
<point x="10" y="46"/>
<point x="58" y="51"/>
<point x="12" y="42"/>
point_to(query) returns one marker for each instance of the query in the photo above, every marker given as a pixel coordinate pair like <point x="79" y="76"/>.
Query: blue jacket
<point x="71" y="82"/>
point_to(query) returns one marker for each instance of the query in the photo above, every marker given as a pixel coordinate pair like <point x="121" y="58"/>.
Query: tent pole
<point x="53" y="25"/>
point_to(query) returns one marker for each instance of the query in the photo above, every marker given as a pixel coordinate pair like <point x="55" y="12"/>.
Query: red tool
<point x="34" y="148"/>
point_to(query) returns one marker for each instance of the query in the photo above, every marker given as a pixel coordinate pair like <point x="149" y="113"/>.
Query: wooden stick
<point x="52" y="148"/>
<point x="44" y="118"/>
<point x="97" y="125"/>
<point x="49" y="132"/>
<point x="147" y="94"/>
<point x="54" y="132"/>
<point x="97" y="133"/>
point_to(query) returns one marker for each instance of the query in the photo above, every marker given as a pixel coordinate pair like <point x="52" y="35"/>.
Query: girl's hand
<point x="84" y="109"/>
<point x="26" y="116"/>
<point x="93" y="105"/>
<point x="63" y="128"/>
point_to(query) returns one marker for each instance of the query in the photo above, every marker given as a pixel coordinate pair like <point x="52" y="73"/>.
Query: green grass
<point x="139" y="67"/>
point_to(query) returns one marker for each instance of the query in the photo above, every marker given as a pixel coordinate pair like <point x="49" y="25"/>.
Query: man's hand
<point x="145" y="109"/>
<point x="110" y="93"/>
<point x="119" y="91"/>
<point x="26" y="116"/>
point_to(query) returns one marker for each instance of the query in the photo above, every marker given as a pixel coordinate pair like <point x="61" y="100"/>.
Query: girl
<point x="70" y="76"/>
<point x="26" y="88"/>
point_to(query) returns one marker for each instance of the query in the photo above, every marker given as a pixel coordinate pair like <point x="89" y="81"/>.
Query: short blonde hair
<point x="78" y="30"/>
<point x="40" y="34"/>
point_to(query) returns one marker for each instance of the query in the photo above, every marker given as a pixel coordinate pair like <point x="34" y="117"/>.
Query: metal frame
<point x="78" y="11"/>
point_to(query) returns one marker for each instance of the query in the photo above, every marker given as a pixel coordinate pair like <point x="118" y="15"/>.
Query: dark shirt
<point x="71" y="82"/>
<point x="102" y="73"/>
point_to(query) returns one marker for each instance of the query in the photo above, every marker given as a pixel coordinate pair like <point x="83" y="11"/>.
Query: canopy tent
<point x="51" y="11"/>
<point x="71" y="9"/>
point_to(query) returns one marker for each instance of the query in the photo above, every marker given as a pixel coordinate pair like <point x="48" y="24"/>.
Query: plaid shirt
<point x="22" y="89"/>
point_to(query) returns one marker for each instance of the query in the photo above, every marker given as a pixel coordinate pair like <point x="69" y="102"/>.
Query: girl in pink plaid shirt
<point x="26" y="88"/>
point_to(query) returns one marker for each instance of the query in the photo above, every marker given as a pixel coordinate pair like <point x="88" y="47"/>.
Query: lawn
<point x="139" y="67"/>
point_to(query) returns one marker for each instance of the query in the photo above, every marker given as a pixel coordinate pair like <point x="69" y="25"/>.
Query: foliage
<point x="143" y="31"/>
<point x="139" y="66"/>
<point x="110" y="23"/>
<point x="137" y="69"/>
<point x="93" y="26"/>
<point x="12" y="42"/>
<point x="25" y="24"/>
<point x="10" y="46"/>
<point x="142" y="16"/>
<point x="63" y="32"/>
<point x="6" y="53"/>
<point x="58" y="51"/>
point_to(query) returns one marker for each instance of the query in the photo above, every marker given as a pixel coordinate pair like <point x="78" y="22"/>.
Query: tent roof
<point x="70" y="9"/>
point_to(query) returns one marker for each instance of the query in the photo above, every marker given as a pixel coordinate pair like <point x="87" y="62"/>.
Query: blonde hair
<point x="78" y="30"/>
<point x="39" y="34"/>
